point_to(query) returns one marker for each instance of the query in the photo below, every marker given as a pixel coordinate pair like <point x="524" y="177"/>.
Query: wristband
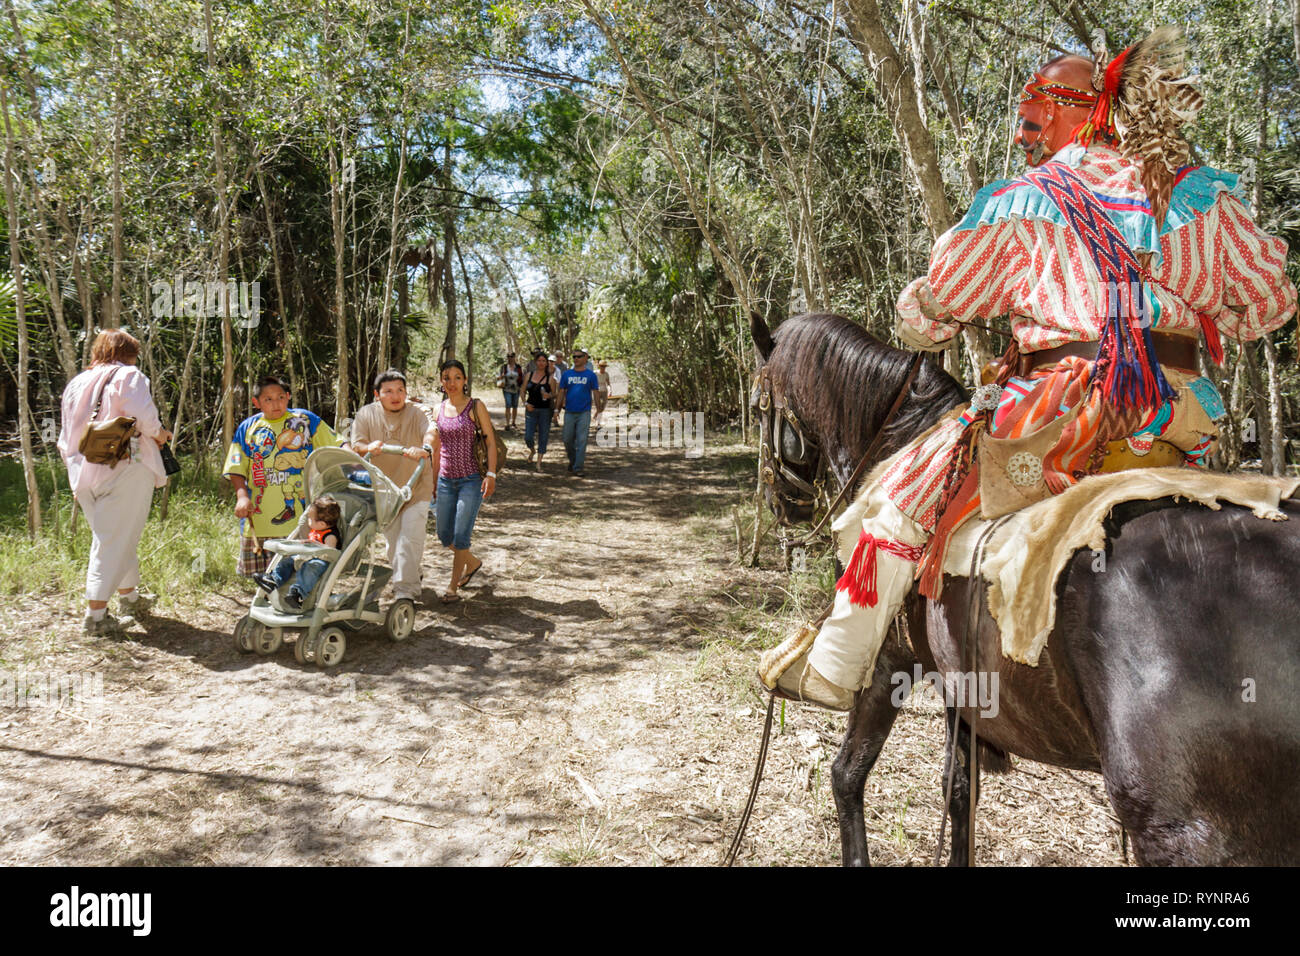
<point x="491" y="474"/>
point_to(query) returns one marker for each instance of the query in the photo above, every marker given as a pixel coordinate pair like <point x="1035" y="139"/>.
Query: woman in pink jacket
<point x="115" y="498"/>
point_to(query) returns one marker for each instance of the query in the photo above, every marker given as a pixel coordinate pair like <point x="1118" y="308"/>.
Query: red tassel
<point x="1212" y="342"/>
<point x="859" y="579"/>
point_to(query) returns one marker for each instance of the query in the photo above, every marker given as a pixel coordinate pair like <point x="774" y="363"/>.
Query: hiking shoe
<point x="293" y="600"/>
<point x="138" y="609"/>
<point x="107" y="626"/>
<point x="265" y="582"/>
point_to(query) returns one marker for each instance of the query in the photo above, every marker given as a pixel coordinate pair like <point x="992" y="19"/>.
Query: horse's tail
<point x="992" y="759"/>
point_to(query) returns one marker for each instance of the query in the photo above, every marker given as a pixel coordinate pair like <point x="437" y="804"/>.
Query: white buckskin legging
<point x="846" y="647"/>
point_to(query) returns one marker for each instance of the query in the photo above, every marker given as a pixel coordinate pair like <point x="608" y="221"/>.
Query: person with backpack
<point x="116" y="496"/>
<point x="540" y="391"/>
<point x="509" y="379"/>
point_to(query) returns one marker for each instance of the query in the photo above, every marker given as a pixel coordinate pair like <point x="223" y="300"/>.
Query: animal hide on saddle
<point x="1032" y="548"/>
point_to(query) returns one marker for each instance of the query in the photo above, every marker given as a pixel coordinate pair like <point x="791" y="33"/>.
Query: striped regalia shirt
<point x="1014" y="254"/>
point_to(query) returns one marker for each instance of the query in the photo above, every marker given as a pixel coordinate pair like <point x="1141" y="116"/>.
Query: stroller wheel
<point x="399" y="622"/>
<point x="267" y="640"/>
<point x="329" y="647"/>
<point x="302" y="651"/>
<point x="243" y="634"/>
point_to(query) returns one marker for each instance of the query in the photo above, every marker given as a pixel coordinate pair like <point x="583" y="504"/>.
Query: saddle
<point x="1027" y="553"/>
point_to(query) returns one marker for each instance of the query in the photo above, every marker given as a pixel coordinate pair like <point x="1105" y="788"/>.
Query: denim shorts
<point x="456" y="508"/>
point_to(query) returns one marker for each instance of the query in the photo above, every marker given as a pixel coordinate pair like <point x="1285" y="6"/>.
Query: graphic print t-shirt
<point x="578" y="387"/>
<point x="270" y="456"/>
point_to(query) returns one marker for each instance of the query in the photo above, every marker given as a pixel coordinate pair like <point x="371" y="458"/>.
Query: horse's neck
<point x="914" y="416"/>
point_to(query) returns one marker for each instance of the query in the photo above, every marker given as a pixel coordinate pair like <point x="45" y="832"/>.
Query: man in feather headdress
<point x="1113" y="259"/>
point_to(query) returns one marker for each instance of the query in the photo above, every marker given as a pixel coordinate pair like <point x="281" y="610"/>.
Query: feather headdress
<point x="1144" y="97"/>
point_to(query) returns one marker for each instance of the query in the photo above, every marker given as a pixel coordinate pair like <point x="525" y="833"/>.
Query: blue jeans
<point x="512" y="399"/>
<point x="577" y="428"/>
<point x="456" y="508"/>
<point x="537" y="421"/>
<point x="308" y="574"/>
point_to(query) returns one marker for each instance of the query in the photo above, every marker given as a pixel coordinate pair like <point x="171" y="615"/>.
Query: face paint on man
<point x="1056" y="102"/>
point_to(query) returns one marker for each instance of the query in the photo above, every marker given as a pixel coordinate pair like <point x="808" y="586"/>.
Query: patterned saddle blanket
<point x="1031" y="548"/>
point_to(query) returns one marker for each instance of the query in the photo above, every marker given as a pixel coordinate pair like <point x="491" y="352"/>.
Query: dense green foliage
<point x="637" y="177"/>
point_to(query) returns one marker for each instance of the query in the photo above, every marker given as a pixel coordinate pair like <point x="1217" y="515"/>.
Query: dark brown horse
<point x="1175" y="673"/>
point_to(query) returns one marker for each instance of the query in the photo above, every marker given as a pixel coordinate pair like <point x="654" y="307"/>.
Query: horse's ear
<point x="761" y="334"/>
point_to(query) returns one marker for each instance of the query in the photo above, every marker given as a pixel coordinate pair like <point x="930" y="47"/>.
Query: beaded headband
<point x="1062" y="94"/>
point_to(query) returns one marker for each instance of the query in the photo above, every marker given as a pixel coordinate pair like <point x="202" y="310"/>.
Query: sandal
<point x="466" y="579"/>
<point x="450" y="597"/>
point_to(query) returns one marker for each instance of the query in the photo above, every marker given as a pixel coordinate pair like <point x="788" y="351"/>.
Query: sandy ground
<point x="572" y="711"/>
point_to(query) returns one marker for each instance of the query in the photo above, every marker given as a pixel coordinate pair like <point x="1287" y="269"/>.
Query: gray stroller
<point x="347" y="594"/>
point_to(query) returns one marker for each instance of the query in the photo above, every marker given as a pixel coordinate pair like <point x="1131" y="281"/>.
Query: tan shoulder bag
<point x="106" y="443"/>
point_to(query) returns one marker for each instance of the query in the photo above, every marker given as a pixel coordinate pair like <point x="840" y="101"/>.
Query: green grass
<point x="190" y="553"/>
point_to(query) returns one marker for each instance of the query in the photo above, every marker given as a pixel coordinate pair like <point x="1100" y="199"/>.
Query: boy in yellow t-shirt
<point x="265" y="464"/>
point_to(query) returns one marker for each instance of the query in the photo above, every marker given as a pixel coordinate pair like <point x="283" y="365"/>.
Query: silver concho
<point x="986" y="398"/>
<point x="1024" y="469"/>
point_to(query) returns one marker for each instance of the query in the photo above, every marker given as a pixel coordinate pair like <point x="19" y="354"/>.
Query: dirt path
<point x="572" y="710"/>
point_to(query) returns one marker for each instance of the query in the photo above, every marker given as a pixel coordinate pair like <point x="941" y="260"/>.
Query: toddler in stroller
<point x="323" y="521"/>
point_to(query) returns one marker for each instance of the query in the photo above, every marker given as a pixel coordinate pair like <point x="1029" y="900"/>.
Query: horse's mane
<point x="841" y="381"/>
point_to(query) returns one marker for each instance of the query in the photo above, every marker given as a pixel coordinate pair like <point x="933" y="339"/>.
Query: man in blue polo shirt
<point x="577" y="385"/>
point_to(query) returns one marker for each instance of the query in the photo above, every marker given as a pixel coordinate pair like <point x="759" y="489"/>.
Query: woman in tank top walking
<point x="537" y="409"/>
<point x="460" y="489"/>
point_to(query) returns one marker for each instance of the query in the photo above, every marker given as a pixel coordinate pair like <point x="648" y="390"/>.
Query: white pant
<point x="846" y="647"/>
<point x="116" y="512"/>
<point x="406" y="548"/>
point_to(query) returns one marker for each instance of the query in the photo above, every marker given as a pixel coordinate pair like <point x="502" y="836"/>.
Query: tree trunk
<point x="223" y="245"/>
<point x="1277" y="434"/>
<point x="299" y="381"/>
<point x="340" y="313"/>
<point x="36" y="206"/>
<point x="469" y="339"/>
<point x="393" y="222"/>
<point x="698" y="204"/>
<point x="896" y="87"/>
<point x="449" y="276"/>
<point x="936" y="55"/>
<point x="1295" y="29"/>
<point x="20" y="314"/>
<point x="393" y="247"/>
<point x="519" y="293"/>
<point x="1259" y="399"/>
<point x="115" y="317"/>
<point x="403" y="309"/>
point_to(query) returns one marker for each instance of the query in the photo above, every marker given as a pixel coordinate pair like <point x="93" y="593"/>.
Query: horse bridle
<point x="775" y="418"/>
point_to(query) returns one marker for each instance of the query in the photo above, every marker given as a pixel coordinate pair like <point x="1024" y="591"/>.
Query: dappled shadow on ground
<point x="405" y="752"/>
